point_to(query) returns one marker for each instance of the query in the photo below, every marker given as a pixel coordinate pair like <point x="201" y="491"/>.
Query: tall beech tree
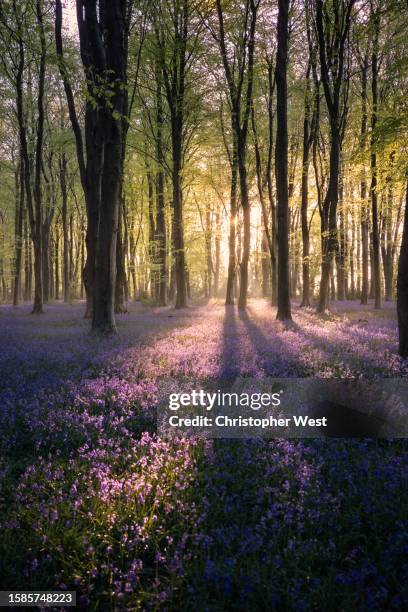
<point x="332" y="25"/>
<point x="107" y="42"/>
<point x="281" y="162"/>
<point x="160" y="194"/>
<point x="239" y="76"/>
<point x="177" y="33"/>
<point x="365" y="217"/>
<point x="309" y="129"/>
<point x="375" y="22"/>
<point x="103" y="42"/>
<point x="264" y="171"/>
<point x="15" y="32"/>
<point x="63" y="166"/>
<point x="135" y="41"/>
<point x="305" y="192"/>
<point x="232" y="154"/>
<point x="36" y="216"/>
<point x="20" y="203"/>
<point x="89" y="148"/>
<point x="158" y="168"/>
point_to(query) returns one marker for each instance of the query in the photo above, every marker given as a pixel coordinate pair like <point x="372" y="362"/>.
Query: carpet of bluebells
<point x="92" y="500"/>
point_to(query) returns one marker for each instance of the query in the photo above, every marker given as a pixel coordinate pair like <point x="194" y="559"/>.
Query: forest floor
<point x="92" y="500"/>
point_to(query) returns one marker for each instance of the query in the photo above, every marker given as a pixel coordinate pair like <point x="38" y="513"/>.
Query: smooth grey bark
<point x="20" y="200"/>
<point x="281" y="163"/>
<point x="112" y="47"/>
<point x="65" y="239"/>
<point x="217" y="252"/>
<point x="89" y="147"/>
<point x="309" y="130"/>
<point x="374" y="169"/>
<point x="232" y="235"/>
<point x="365" y="216"/>
<point x="160" y="196"/>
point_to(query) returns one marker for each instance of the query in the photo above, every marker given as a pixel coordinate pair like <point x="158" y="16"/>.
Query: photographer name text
<point x="218" y="400"/>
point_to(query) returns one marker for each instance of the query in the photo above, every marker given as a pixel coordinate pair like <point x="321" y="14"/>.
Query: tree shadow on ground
<point x="343" y="420"/>
<point x="270" y="352"/>
<point x="229" y="366"/>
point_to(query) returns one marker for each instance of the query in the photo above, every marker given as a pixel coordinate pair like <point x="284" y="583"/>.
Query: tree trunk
<point x="83" y="262"/>
<point x="38" y="294"/>
<point x="188" y="285"/>
<point x="174" y="73"/>
<point x="272" y="204"/>
<point x="387" y="245"/>
<point x="240" y="106"/>
<point x="243" y="182"/>
<point x="329" y="240"/>
<point x="341" y="254"/>
<point x="305" y="196"/>
<point x="90" y="170"/>
<point x="332" y="283"/>
<point x="217" y="253"/>
<point x="172" y="279"/>
<point x="132" y="256"/>
<point x="120" y="287"/>
<point x="402" y="286"/>
<point x="95" y="147"/>
<point x="365" y="220"/>
<point x="18" y="231"/>
<point x="265" y="265"/>
<point x="237" y="279"/>
<point x="267" y="241"/>
<point x="374" y="181"/>
<point x="27" y="261"/>
<point x="352" y="294"/>
<point x="333" y="41"/>
<point x="37" y="190"/>
<point x="358" y="257"/>
<point x="46" y="263"/>
<point x="152" y="236"/>
<point x="229" y="298"/>
<point x="125" y="246"/>
<point x="3" y="284"/>
<point x="208" y="232"/>
<point x="103" y="319"/>
<point x="281" y="164"/>
<point x="180" y="262"/>
<point x="65" y="238"/>
<point x="57" y="263"/>
<point x="71" y="257"/>
<point x="274" y="245"/>
<point x="51" y="266"/>
<point x="160" y="198"/>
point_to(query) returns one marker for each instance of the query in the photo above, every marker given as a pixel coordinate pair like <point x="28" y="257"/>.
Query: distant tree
<point x="309" y="130"/>
<point x="177" y="34"/>
<point x="239" y="73"/>
<point x="18" y="26"/>
<point x="332" y="25"/>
